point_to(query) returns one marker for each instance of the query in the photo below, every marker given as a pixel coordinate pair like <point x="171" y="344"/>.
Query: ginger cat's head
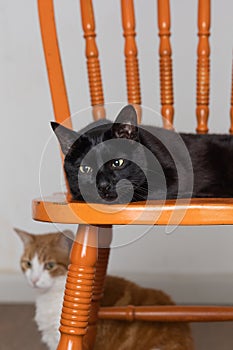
<point x="45" y="257"/>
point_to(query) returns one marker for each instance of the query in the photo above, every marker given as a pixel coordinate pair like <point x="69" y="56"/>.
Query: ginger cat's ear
<point x="69" y="237"/>
<point x="65" y="136"/>
<point x="66" y="239"/>
<point x="69" y="234"/>
<point x="25" y="237"/>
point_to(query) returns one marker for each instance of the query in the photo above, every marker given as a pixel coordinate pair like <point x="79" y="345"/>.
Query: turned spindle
<point x="165" y="52"/>
<point x="92" y="56"/>
<point x="79" y="289"/>
<point x="231" y="109"/>
<point x="131" y="52"/>
<point x="203" y="66"/>
<point x="104" y="240"/>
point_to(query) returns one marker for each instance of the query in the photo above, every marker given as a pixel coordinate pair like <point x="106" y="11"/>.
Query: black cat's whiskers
<point x="142" y="190"/>
<point x="134" y="184"/>
<point x="137" y="196"/>
<point x="139" y="193"/>
<point x="152" y="172"/>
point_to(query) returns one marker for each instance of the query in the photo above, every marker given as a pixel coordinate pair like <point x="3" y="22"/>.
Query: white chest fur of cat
<point x="44" y="263"/>
<point x="48" y="311"/>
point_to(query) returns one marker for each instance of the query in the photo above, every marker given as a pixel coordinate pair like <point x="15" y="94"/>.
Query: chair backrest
<point x="54" y="66"/>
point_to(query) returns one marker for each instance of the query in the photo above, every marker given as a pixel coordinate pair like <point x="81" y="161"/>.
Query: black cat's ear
<point x="65" y="136"/>
<point x="25" y="237"/>
<point x="125" y="125"/>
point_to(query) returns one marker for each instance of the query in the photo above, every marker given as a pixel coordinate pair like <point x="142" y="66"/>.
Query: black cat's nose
<point x="104" y="187"/>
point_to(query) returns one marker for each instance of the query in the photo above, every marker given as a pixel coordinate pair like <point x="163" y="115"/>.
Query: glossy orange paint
<point x="89" y="257"/>
<point x="212" y="211"/>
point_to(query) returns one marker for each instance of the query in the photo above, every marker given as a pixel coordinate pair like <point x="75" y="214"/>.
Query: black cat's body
<point x="121" y="162"/>
<point x="211" y="157"/>
<point x="212" y="161"/>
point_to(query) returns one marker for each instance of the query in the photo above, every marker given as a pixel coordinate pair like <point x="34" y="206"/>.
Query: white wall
<point x="188" y="262"/>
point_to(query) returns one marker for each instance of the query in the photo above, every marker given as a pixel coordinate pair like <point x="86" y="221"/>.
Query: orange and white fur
<point x="44" y="262"/>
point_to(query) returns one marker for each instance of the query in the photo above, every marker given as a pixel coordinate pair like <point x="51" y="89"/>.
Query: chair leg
<point x="79" y="289"/>
<point x="104" y="241"/>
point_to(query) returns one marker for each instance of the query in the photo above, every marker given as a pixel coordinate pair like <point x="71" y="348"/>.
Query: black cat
<point x="122" y="161"/>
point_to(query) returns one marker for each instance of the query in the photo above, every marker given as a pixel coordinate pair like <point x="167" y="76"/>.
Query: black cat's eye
<point x="49" y="265"/>
<point x="117" y="163"/>
<point x="85" y="169"/>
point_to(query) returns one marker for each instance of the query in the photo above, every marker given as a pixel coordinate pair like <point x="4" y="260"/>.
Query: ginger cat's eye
<point x="27" y="264"/>
<point x="85" y="169"/>
<point x="49" y="265"/>
<point x="117" y="163"/>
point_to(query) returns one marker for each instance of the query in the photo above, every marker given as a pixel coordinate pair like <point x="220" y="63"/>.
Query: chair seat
<point x="201" y="211"/>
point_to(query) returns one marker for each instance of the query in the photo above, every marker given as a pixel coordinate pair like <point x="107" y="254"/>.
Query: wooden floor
<point x="18" y="331"/>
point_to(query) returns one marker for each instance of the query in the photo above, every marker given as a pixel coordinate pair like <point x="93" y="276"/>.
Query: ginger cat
<point x="44" y="263"/>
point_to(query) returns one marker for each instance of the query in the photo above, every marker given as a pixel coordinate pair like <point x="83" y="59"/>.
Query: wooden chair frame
<point x="90" y="251"/>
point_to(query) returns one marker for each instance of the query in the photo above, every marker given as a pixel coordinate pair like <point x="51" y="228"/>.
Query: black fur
<point x="158" y="163"/>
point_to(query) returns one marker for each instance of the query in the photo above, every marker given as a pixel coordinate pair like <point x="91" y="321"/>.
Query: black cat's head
<point x="103" y="162"/>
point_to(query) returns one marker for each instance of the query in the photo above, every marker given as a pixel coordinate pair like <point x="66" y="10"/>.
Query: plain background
<point x="193" y="264"/>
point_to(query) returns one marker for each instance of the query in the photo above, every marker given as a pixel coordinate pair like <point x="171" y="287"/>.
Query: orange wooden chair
<point x="89" y="256"/>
